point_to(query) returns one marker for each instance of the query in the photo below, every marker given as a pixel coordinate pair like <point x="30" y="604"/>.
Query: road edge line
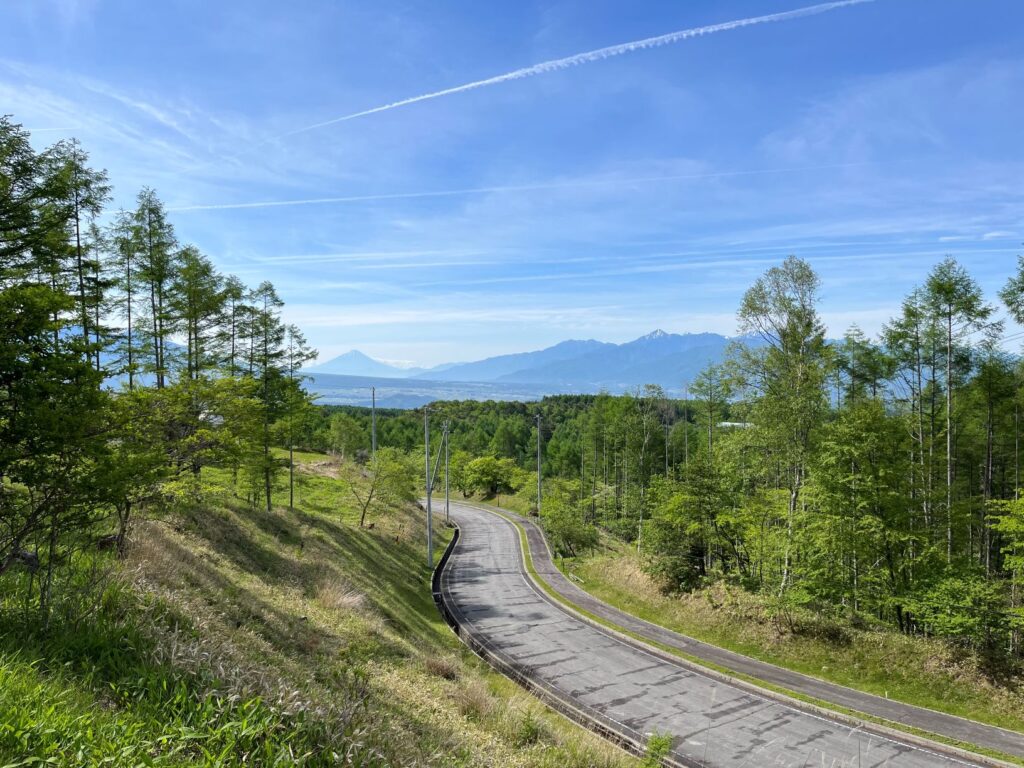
<point x="862" y="720"/>
<point x="561" y="705"/>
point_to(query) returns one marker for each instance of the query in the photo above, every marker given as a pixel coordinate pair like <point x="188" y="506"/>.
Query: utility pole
<point x="426" y="464"/>
<point x="291" y="475"/>
<point x="686" y="430"/>
<point x="538" y="464"/>
<point x="447" y="472"/>
<point x="373" y="422"/>
<point x="291" y="438"/>
<point x="666" y="450"/>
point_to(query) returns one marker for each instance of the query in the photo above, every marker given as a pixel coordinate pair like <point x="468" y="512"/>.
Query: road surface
<point x="953" y="727"/>
<point x="632" y="691"/>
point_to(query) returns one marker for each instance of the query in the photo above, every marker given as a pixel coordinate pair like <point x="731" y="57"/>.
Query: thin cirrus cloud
<point x="540" y="186"/>
<point x="588" y="57"/>
<point x="331" y="315"/>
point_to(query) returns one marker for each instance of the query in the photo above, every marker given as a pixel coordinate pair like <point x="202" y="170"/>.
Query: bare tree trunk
<point x="81" y="269"/>
<point x="949" y="436"/>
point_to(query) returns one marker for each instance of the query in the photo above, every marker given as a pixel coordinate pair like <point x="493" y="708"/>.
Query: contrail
<point x="597" y="55"/>
<point x="509" y="188"/>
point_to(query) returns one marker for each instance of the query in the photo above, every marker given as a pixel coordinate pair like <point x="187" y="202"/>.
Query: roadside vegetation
<point x="851" y="507"/>
<point x="178" y="584"/>
<point x="928" y="672"/>
<point x="200" y="564"/>
<point x="229" y="635"/>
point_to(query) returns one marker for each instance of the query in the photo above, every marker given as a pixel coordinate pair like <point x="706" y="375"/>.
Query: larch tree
<point x="268" y="363"/>
<point x="157" y="247"/>
<point x="953" y="297"/>
<point x="83" y="192"/>
<point x="196" y="300"/>
<point x="125" y="249"/>
<point x="297" y="354"/>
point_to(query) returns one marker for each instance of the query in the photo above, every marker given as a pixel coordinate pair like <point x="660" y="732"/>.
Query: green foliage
<point x="567" y="531"/>
<point x="78" y="461"/>
<point x="347" y="435"/>
<point x="1008" y="520"/>
<point x="1013" y="292"/>
<point x="460" y="479"/>
<point x="511" y="439"/>
<point x="53" y="483"/>
<point x="861" y="512"/>
<point x="490" y="475"/>
<point x="964" y="607"/>
<point x="658" y="747"/>
<point x="392" y="482"/>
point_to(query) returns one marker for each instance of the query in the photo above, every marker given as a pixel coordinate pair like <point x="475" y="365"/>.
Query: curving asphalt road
<point x="630" y="691"/>
<point x="953" y="727"/>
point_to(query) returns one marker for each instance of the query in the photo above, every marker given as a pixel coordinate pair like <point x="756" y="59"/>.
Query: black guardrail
<point x="589" y="718"/>
<point x="435" y="582"/>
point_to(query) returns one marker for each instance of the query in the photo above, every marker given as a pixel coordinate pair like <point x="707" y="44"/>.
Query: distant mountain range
<point x="517" y="367"/>
<point x="355" y="363"/>
<point x="667" y="359"/>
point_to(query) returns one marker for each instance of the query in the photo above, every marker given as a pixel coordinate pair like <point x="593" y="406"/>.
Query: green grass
<point x="98" y="694"/>
<point x="236" y="636"/>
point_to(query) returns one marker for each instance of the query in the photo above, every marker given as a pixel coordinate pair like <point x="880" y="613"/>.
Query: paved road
<point x="958" y="728"/>
<point x="638" y="692"/>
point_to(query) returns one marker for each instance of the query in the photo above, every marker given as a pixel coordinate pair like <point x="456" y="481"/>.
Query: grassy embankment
<point x="921" y="671"/>
<point x="232" y="636"/>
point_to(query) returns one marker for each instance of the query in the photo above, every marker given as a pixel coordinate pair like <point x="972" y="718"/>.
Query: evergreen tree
<point x="156" y="245"/>
<point x="196" y="302"/>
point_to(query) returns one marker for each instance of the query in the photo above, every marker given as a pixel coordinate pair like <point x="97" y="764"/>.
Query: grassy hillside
<point x="235" y="636"/>
<point x="917" y="670"/>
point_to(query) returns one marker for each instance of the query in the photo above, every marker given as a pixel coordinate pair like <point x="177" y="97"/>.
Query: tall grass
<point x="232" y="636"/>
<point x="96" y="692"/>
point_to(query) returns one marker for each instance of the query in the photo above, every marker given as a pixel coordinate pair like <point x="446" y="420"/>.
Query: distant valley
<point x="583" y="366"/>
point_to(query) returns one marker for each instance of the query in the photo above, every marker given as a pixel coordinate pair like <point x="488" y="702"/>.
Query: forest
<point x="127" y="365"/>
<point x="872" y="480"/>
<point x="865" y="478"/>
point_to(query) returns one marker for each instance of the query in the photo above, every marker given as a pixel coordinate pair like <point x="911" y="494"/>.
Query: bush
<point x="566" y="528"/>
<point x="491" y="476"/>
<point x="964" y="607"/>
<point x="658" y="747"/>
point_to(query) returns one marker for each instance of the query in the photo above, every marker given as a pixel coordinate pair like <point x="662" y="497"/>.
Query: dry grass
<point x="330" y="467"/>
<point x="337" y="596"/>
<point x="317" y="614"/>
<point x="474" y="700"/>
<point x="446" y="666"/>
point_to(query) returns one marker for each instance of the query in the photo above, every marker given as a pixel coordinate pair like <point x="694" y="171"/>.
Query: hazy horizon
<point x="419" y="190"/>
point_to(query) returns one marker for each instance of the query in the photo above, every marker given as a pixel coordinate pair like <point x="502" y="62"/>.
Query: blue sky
<point x="604" y="200"/>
